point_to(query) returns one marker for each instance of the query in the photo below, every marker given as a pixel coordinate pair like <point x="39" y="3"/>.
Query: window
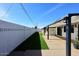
<point x="64" y="28"/>
<point x="75" y="25"/>
<point x="72" y="28"/>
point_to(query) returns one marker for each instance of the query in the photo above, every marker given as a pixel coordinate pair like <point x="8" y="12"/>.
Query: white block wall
<point x="11" y="35"/>
<point x="52" y="31"/>
<point x="73" y="35"/>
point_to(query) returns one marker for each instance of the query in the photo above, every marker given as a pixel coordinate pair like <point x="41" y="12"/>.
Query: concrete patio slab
<point x="57" y="47"/>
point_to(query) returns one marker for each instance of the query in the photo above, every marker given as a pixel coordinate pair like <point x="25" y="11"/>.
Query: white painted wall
<point x="11" y="35"/>
<point x="52" y="31"/>
<point x="64" y="34"/>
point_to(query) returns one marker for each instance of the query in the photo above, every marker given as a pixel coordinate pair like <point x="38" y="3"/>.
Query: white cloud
<point x="50" y="10"/>
<point x="3" y="13"/>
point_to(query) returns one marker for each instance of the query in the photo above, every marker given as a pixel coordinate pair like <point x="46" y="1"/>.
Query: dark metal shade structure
<point x="68" y="36"/>
<point x="68" y="33"/>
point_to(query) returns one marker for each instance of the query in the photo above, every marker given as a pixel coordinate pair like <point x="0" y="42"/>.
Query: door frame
<point x="59" y="31"/>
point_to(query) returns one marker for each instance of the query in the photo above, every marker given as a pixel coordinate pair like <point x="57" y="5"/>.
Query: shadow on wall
<point x="30" y="47"/>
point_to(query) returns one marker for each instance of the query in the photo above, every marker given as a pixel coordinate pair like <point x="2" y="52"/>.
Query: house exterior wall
<point x="46" y="32"/>
<point x="76" y="32"/>
<point x="58" y="24"/>
<point x="52" y="31"/>
<point x="64" y="34"/>
<point x="11" y="35"/>
<point x="42" y="30"/>
<point x="74" y="20"/>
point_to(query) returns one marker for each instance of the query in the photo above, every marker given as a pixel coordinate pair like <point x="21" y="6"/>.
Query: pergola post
<point x="48" y="33"/>
<point x="68" y="33"/>
<point x="68" y="36"/>
<point x="78" y="31"/>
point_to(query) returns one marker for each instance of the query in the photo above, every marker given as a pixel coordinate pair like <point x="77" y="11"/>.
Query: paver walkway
<point x="57" y="47"/>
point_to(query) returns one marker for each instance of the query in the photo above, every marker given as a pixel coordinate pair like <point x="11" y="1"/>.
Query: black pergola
<point x="68" y="33"/>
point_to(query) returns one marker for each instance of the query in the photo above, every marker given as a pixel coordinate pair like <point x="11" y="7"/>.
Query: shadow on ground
<point x="30" y="47"/>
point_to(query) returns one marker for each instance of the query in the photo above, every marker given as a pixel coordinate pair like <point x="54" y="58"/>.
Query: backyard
<point x="34" y="42"/>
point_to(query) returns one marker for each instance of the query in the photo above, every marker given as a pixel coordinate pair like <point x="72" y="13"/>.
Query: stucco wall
<point x="52" y="31"/>
<point x="74" y="20"/>
<point x="11" y="35"/>
<point x="72" y="34"/>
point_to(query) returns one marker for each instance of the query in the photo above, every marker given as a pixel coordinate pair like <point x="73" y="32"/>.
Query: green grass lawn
<point x="43" y="43"/>
<point x="34" y="42"/>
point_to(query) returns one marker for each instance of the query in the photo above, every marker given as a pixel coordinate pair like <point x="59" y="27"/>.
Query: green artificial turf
<point x="34" y="42"/>
<point x="43" y="43"/>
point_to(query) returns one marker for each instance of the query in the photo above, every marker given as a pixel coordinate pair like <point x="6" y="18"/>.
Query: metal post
<point x="78" y="31"/>
<point x="48" y="33"/>
<point x="68" y="36"/>
<point x="44" y="30"/>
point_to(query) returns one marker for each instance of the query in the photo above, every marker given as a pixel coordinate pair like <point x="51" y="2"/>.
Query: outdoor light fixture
<point x="64" y="20"/>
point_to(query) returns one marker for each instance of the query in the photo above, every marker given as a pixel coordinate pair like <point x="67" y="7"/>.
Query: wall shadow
<point x="30" y="47"/>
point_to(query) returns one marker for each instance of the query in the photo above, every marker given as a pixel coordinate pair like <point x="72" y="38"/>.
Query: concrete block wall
<point x="52" y="31"/>
<point x="11" y="35"/>
<point x="72" y="34"/>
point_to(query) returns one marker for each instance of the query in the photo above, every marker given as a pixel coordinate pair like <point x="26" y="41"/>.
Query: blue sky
<point x="42" y="14"/>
